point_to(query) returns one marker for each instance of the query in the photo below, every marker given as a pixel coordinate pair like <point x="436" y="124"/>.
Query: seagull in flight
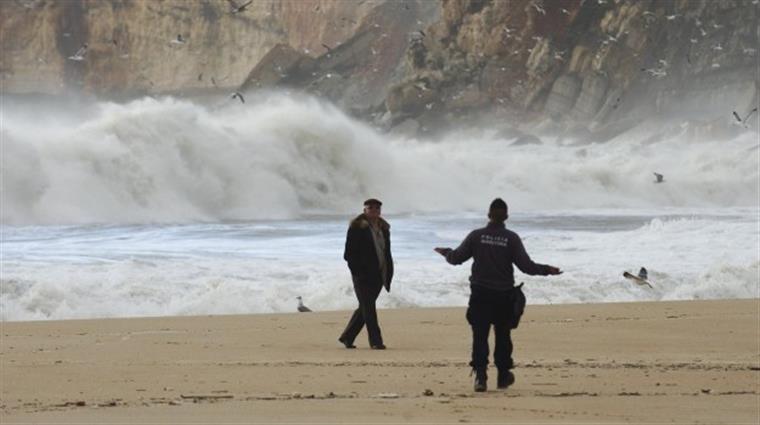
<point x="302" y="308"/>
<point x="234" y="8"/>
<point x="538" y="8"/>
<point x="744" y="120"/>
<point x="643" y="273"/>
<point x="242" y="100"/>
<point x="80" y="54"/>
<point x="660" y="178"/>
<point x="657" y="73"/>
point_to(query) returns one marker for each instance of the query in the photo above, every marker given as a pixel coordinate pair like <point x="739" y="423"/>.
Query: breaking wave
<point x="283" y="156"/>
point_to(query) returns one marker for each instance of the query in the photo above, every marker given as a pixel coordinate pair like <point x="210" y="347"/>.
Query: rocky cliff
<point x="584" y="68"/>
<point x="570" y="66"/>
<point x="138" y="46"/>
<point x="592" y="62"/>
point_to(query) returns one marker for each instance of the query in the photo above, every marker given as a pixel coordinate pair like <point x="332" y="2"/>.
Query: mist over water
<point x="283" y="156"/>
<point x="171" y="207"/>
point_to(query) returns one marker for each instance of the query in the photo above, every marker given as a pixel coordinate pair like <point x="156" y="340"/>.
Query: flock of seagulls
<point x="235" y="8"/>
<point x="658" y="72"/>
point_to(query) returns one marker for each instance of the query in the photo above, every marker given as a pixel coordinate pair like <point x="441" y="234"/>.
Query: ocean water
<point x="172" y="207"/>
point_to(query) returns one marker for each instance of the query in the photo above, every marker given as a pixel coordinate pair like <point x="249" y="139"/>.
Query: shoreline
<point x="683" y="361"/>
<point x="348" y="312"/>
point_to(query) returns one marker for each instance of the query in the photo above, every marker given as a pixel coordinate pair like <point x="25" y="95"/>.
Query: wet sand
<point x="683" y="362"/>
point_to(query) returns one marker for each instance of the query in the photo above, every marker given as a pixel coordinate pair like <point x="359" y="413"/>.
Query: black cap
<point x="373" y="201"/>
<point x="498" y="204"/>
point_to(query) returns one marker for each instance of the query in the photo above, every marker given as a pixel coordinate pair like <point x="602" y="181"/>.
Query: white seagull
<point x="234" y="8"/>
<point x="538" y="8"/>
<point x="179" y="40"/>
<point x="302" y="308"/>
<point x="80" y="54"/>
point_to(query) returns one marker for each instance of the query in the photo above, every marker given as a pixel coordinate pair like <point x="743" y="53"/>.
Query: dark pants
<point x="366" y="314"/>
<point x="486" y="308"/>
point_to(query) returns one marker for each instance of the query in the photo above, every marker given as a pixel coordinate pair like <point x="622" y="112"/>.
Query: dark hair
<point x="372" y="201"/>
<point x="498" y="204"/>
<point x="497" y="211"/>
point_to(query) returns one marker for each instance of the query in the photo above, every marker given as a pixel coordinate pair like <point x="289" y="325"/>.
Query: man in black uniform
<point x="368" y="254"/>
<point x="492" y="285"/>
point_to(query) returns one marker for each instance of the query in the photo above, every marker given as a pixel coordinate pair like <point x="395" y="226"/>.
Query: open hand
<point x="442" y="251"/>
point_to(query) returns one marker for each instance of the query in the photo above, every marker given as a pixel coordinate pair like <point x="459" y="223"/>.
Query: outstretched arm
<point x="526" y="265"/>
<point x="459" y="255"/>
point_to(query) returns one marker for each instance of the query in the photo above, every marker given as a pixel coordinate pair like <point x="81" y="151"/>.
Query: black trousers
<point x="366" y="314"/>
<point x="487" y="308"/>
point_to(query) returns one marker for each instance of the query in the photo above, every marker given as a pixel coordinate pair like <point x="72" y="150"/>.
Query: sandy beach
<point x="681" y="362"/>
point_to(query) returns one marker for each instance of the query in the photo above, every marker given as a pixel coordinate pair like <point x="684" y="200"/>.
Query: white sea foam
<point x="167" y="207"/>
<point x="58" y="272"/>
<point x="277" y="156"/>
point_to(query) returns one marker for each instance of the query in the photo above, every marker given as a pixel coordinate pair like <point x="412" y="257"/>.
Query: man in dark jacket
<point x="368" y="254"/>
<point x="492" y="284"/>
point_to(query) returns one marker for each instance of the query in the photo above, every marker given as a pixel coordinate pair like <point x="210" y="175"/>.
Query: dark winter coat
<point x="361" y="256"/>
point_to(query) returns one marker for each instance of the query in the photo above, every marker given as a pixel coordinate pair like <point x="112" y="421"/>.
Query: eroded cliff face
<point x="583" y="62"/>
<point x="572" y="65"/>
<point x="136" y="46"/>
<point x="354" y="73"/>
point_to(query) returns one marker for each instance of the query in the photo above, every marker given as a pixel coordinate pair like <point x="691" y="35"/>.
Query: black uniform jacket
<point x="361" y="255"/>
<point x="495" y="249"/>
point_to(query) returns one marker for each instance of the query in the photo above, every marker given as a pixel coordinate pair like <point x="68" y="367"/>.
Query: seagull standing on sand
<point x="302" y="308"/>
<point x="80" y="54"/>
<point x="179" y="39"/>
<point x="660" y="178"/>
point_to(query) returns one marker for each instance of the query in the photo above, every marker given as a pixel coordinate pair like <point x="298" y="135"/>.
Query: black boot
<point x="480" y="380"/>
<point x="505" y="379"/>
<point x="346" y="343"/>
